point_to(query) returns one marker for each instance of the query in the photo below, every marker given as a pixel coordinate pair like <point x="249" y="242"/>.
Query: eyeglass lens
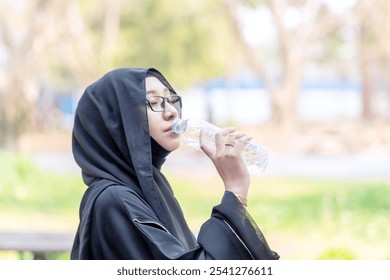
<point x="157" y="103"/>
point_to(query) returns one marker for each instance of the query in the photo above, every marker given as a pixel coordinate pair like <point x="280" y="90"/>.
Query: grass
<point x="23" y="187"/>
<point x="301" y="218"/>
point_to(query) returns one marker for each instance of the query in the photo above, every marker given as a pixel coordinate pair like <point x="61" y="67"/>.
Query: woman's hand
<point x="227" y="158"/>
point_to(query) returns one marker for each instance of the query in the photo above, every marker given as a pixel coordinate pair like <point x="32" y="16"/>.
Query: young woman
<point x="121" y="137"/>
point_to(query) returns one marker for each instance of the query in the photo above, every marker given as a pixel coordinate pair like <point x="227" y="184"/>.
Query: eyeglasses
<point x="157" y="103"/>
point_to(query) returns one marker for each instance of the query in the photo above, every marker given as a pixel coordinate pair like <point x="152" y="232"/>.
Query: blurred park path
<point x="192" y="163"/>
<point x="310" y="166"/>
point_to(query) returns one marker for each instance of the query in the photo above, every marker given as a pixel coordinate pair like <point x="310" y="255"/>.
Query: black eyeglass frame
<point x="166" y="99"/>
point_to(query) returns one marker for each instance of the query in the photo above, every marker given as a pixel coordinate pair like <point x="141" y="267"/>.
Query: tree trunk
<point x="292" y="45"/>
<point x="284" y="105"/>
<point x="367" y="89"/>
<point x="12" y="121"/>
<point x="111" y="26"/>
<point x="366" y="77"/>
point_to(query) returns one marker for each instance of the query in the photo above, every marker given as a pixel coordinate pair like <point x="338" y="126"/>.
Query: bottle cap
<point x="179" y="126"/>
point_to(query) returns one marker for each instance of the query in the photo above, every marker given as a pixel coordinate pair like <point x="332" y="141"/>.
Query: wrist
<point x="237" y="188"/>
<point x="242" y="199"/>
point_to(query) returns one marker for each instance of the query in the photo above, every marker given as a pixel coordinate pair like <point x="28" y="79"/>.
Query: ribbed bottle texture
<point x="255" y="155"/>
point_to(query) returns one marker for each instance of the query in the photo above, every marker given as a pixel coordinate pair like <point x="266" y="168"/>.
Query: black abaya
<point x="129" y="210"/>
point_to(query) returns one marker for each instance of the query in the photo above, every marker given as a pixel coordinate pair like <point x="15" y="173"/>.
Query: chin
<point x="172" y="146"/>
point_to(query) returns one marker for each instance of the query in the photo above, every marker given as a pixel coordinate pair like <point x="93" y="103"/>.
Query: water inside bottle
<point x="256" y="158"/>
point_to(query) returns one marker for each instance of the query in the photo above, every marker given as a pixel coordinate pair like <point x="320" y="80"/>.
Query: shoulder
<point x="116" y="194"/>
<point x="119" y="198"/>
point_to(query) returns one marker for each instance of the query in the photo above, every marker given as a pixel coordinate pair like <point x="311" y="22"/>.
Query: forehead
<point x="152" y="84"/>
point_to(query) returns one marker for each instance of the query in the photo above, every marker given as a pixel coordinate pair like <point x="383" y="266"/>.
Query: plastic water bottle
<point x="255" y="155"/>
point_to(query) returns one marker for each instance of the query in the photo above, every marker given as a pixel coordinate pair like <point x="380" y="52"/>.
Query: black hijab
<point x="112" y="145"/>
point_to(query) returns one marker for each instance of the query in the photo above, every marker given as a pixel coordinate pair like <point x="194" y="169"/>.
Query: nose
<point x="170" y="112"/>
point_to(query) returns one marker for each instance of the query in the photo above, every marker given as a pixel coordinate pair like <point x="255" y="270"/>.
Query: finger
<point x="220" y="137"/>
<point x="232" y="138"/>
<point x="209" y="151"/>
<point x="238" y="135"/>
<point x="243" y="141"/>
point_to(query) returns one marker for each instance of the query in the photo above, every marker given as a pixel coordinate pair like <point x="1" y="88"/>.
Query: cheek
<point x="152" y="125"/>
<point x="152" y="131"/>
<point x="170" y="142"/>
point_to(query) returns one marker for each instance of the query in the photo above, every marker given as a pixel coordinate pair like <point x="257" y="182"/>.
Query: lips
<point x="168" y="129"/>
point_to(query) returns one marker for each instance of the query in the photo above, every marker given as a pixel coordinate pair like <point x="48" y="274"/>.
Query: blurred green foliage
<point x="342" y="219"/>
<point x="188" y="43"/>
<point x="309" y="201"/>
<point x="184" y="43"/>
<point x="337" y="254"/>
<point x="25" y="188"/>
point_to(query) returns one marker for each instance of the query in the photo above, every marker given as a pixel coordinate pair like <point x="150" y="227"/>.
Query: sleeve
<point x="232" y="232"/>
<point x="122" y="232"/>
